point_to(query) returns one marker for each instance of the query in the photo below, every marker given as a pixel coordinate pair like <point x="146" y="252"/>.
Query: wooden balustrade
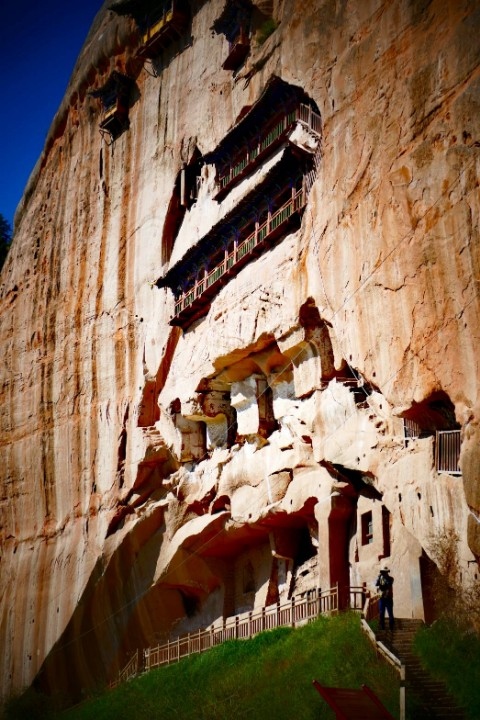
<point x="370" y="607"/>
<point x="130" y="670"/>
<point x="158" y="25"/>
<point x="294" y="613"/>
<point x="358" y="597"/>
<point x="163" y="27"/>
<point x="303" y="113"/>
<point x="241" y="251"/>
<point x="310" y="118"/>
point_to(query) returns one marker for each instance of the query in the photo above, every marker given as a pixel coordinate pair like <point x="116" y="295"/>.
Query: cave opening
<point x="184" y="195"/>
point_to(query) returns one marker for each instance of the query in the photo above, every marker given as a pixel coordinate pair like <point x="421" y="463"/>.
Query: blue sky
<point x="40" y="41"/>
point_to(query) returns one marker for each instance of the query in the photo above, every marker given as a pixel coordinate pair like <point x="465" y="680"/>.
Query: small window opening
<point x="184" y="195"/>
<point x="386" y="522"/>
<point x="367" y="528"/>
<point x="191" y="604"/>
<point x="248" y="578"/>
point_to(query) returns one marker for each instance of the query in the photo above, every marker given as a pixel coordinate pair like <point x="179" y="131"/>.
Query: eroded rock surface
<point x="156" y="478"/>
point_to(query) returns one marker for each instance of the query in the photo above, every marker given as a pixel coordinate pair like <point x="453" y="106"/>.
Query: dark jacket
<point x="385" y="585"/>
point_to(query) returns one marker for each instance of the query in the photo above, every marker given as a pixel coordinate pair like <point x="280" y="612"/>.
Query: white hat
<point x="385" y="568"/>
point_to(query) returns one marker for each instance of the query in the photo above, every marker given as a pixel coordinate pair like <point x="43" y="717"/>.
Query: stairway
<point x="426" y="697"/>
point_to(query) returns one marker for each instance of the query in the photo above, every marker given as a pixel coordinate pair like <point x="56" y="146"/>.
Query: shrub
<point x="265" y="30"/>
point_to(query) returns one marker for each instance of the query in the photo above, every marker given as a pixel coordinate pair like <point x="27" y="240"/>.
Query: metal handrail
<point x="393" y="660"/>
<point x="447" y="451"/>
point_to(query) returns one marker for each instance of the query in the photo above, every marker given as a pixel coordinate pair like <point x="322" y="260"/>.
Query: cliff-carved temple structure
<point x="240" y="325"/>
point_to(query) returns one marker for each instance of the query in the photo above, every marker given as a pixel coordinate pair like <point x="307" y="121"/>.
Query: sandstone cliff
<point x="155" y="477"/>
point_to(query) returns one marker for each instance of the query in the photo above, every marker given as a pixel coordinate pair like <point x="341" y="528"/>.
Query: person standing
<point x="384" y="584"/>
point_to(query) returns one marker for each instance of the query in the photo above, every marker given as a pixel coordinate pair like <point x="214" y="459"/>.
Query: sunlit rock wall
<point x="155" y="479"/>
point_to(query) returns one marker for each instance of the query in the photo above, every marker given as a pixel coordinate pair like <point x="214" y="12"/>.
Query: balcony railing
<point x="241" y="251"/>
<point x="246" y="160"/>
<point x="411" y="429"/>
<point x="168" y="24"/>
<point x="158" y="24"/>
<point x="447" y="451"/>
<point x="294" y="613"/>
<point x="129" y="671"/>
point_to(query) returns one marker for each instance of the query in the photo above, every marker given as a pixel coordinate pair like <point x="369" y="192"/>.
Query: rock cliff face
<point x="158" y="476"/>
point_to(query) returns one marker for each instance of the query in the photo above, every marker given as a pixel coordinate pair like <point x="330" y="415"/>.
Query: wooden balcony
<point x="115" y="98"/>
<point x="195" y="301"/>
<point x="273" y="137"/>
<point x="163" y="29"/>
<point x="237" y="51"/>
<point x="114" y="121"/>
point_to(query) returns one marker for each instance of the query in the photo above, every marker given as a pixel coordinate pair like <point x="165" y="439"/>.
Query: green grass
<point x="271" y="676"/>
<point x="452" y="654"/>
<point x="268" y="676"/>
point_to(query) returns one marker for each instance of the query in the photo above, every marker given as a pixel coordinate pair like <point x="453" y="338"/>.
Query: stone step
<point x="431" y="693"/>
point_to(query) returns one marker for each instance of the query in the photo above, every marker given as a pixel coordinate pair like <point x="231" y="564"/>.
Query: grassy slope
<point x="452" y="654"/>
<point x="271" y="676"/>
<point x="268" y="676"/>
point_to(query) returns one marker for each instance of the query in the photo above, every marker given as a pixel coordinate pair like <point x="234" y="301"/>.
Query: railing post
<point x="402" y="692"/>
<point x="236" y="626"/>
<point x="256" y="233"/>
<point x="292" y="610"/>
<point x="278" y="612"/>
<point x="263" y="617"/>
<point x="249" y="623"/>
